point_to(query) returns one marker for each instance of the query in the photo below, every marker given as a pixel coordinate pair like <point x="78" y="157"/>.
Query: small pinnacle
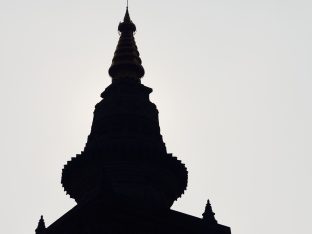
<point x="208" y="215"/>
<point x="41" y="226"/>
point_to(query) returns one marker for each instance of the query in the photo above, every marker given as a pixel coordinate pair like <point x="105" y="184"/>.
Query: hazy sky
<point x="232" y="80"/>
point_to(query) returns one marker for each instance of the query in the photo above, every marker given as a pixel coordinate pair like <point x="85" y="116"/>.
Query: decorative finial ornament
<point x="126" y="64"/>
<point x="127" y="20"/>
<point x="41" y="226"/>
<point x="208" y="215"/>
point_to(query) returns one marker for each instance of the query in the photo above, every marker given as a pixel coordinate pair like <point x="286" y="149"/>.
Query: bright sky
<point x="232" y="81"/>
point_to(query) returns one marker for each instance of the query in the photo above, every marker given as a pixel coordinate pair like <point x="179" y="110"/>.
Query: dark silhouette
<point x="41" y="226"/>
<point x="208" y="215"/>
<point x="125" y="181"/>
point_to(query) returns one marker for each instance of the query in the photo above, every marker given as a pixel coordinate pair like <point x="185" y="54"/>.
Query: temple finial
<point x="208" y="215"/>
<point x="126" y="64"/>
<point x="127" y="17"/>
<point x="41" y="226"/>
<point x="127" y="4"/>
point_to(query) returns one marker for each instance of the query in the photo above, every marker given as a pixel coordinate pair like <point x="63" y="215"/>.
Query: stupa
<point x="125" y="181"/>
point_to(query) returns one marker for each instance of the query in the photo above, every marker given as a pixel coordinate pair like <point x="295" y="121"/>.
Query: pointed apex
<point x="127" y="16"/>
<point x="127" y="26"/>
<point x="41" y="226"/>
<point x="208" y="215"/>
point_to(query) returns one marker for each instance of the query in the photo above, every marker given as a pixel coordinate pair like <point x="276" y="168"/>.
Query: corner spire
<point x="126" y="64"/>
<point x="208" y="215"/>
<point x="41" y="226"/>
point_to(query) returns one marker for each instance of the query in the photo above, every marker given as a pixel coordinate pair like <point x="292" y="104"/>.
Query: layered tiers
<point x="127" y="63"/>
<point x="125" y="157"/>
<point x="125" y="154"/>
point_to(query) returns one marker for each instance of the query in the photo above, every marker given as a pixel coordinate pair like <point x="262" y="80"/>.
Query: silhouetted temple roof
<point x="124" y="181"/>
<point x="115" y="218"/>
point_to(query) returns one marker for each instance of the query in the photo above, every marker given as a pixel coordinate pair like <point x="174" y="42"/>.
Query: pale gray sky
<point x="232" y="81"/>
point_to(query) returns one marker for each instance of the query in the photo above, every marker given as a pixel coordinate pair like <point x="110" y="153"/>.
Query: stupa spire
<point x="126" y="64"/>
<point x="41" y="226"/>
<point x="209" y="215"/>
<point x="127" y="16"/>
